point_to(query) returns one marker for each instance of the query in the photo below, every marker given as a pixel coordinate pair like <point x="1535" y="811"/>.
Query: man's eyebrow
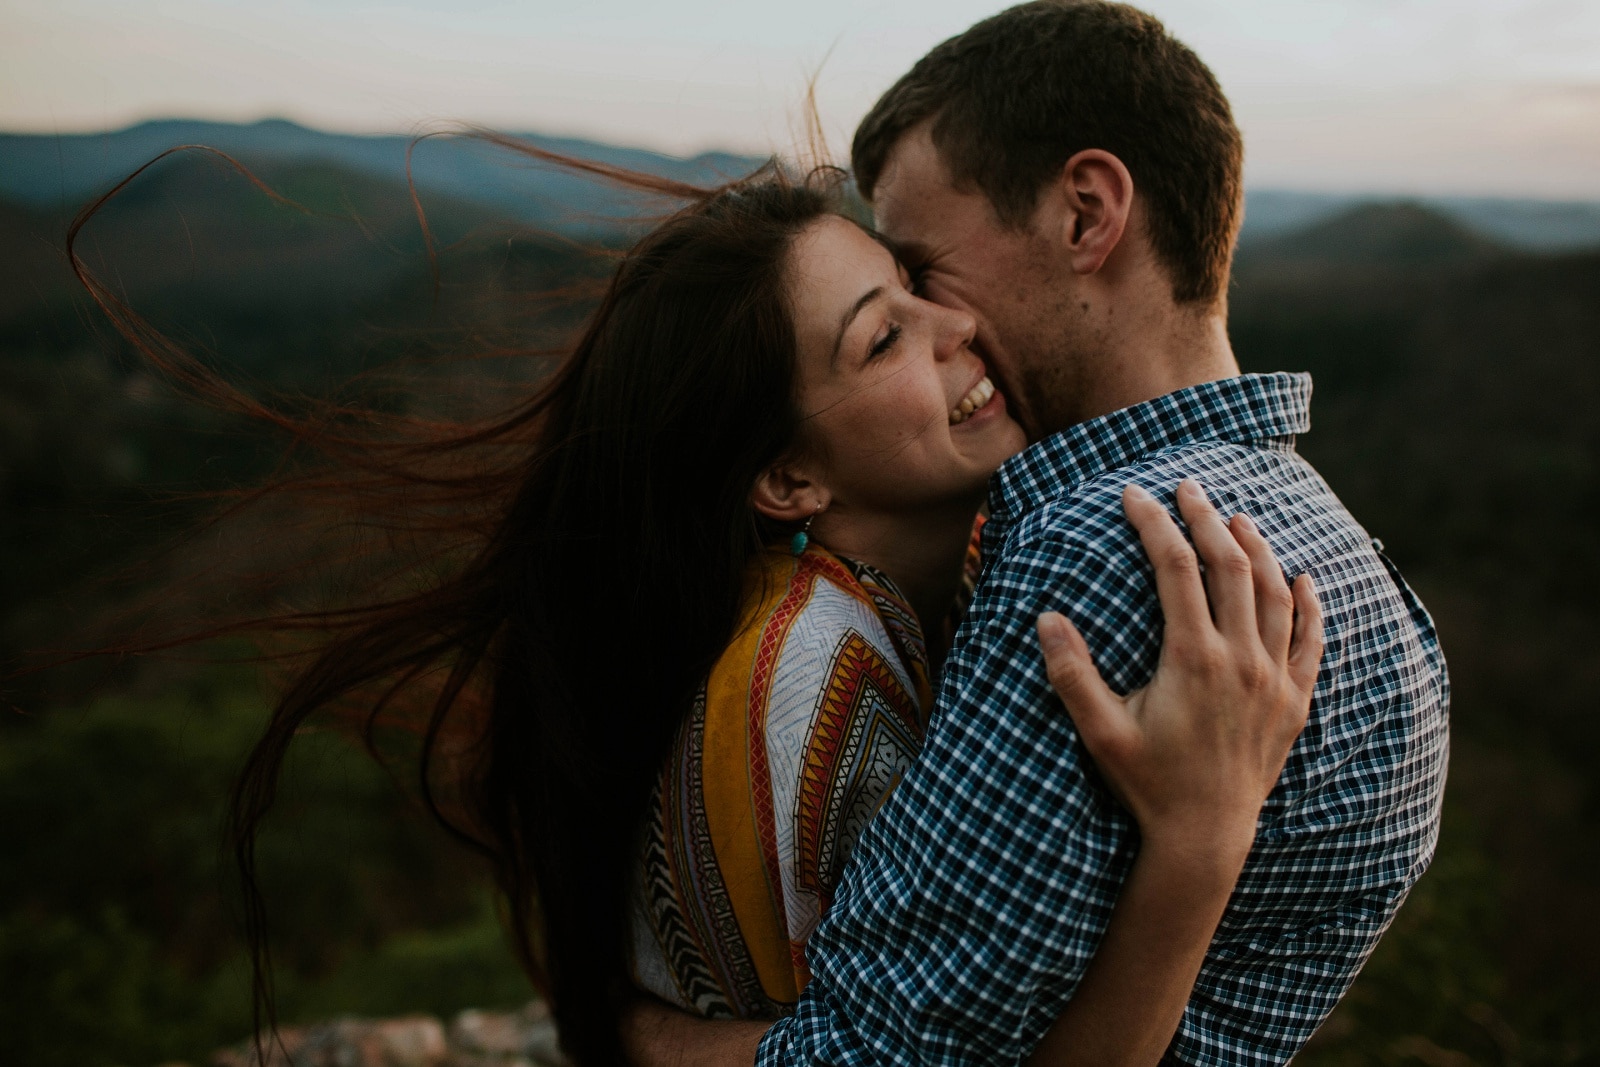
<point x="850" y="316"/>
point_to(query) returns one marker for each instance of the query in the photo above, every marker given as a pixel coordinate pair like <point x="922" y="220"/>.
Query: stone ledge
<point x="525" y="1038"/>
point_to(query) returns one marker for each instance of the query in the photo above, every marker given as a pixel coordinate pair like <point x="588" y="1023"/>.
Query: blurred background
<point x="1422" y="234"/>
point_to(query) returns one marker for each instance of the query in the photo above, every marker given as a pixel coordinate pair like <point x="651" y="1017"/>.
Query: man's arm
<point x="1146" y="966"/>
<point x="971" y="913"/>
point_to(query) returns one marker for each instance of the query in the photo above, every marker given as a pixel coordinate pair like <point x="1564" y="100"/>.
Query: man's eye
<point x="918" y="279"/>
<point x="887" y="342"/>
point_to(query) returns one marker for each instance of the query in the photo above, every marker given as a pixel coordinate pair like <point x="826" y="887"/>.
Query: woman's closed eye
<point x="886" y="342"/>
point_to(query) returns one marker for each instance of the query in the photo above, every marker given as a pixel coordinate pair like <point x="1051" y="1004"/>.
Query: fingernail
<point x="1139" y="492"/>
<point x="1192" y="486"/>
<point x="1249" y="523"/>
<point x="1051" y="631"/>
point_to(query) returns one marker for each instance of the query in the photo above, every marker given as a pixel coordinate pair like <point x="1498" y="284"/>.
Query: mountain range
<point x="60" y="171"/>
<point x="1456" y="352"/>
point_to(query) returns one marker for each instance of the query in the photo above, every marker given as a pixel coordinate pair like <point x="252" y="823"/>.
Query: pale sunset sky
<point x="1495" y="97"/>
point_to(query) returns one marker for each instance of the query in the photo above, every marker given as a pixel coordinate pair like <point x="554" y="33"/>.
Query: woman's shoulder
<point x="814" y="608"/>
<point x="828" y="666"/>
<point x="807" y="720"/>
<point x="782" y="582"/>
<point x="822" y="701"/>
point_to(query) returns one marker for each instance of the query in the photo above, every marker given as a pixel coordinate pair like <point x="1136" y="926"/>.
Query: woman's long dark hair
<point x="602" y="535"/>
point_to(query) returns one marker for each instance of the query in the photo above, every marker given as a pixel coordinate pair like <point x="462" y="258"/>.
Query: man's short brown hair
<point x="1017" y="95"/>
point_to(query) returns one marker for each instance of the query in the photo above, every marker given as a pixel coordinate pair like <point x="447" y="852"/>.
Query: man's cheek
<point x="935" y="289"/>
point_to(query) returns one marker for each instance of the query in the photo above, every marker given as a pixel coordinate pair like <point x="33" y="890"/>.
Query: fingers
<point x="1305" y="649"/>
<point x="1274" y="603"/>
<point x="1183" y="596"/>
<point x="1099" y="714"/>
<point x="1228" y="570"/>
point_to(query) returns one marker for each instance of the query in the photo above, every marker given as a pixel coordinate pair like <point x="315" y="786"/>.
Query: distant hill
<point x="192" y="241"/>
<point x="51" y="171"/>
<point x="1540" y="225"/>
<point x="1403" y="234"/>
<point x="297" y="302"/>
<point x="59" y="172"/>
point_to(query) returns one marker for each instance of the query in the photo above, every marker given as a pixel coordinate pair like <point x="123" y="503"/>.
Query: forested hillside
<point x="1457" y="410"/>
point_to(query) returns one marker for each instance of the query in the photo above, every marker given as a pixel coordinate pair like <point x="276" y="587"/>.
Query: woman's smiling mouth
<point x="980" y="395"/>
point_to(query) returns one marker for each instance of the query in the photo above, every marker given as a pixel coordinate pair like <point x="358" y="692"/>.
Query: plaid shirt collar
<point x="1252" y="409"/>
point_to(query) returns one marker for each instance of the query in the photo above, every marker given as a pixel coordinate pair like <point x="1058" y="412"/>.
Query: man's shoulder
<point x="1077" y="553"/>
<point x="1268" y="483"/>
<point x="1382" y="695"/>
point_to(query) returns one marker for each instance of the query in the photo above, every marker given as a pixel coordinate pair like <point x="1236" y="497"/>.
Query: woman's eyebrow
<point x="850" y="316"/>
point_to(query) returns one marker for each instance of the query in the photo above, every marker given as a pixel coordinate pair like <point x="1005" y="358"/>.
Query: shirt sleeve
<point x="978" y="896"/>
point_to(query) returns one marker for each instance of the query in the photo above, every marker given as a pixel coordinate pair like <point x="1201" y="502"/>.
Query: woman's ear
<point x="785" y="492"/>
<point x="1090" y="204"/>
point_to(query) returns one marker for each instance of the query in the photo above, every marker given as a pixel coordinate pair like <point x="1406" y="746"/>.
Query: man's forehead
<point x="914" y="156"/>
<point x="913" y="173"/>
<point x="916" y="204"/>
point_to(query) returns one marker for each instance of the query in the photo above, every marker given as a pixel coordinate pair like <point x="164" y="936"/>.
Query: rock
<point x="514" y="1039"/>
<point x="525" y="1038"/>
<point x="482" y="1033"/>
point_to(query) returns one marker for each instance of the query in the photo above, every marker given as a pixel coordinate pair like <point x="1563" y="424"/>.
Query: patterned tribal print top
<point x="807" y="722"/>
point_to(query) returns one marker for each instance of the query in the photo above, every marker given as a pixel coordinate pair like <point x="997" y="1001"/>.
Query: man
<point x="1070" y="175"/>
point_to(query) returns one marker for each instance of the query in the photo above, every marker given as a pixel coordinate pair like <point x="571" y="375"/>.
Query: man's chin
<point x="1016" y="406"/>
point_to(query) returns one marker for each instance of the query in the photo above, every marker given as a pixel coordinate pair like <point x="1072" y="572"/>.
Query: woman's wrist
<point x="1206" y="854"/>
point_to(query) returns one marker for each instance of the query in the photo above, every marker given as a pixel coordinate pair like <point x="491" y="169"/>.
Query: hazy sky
<point x="1465" y="96"/>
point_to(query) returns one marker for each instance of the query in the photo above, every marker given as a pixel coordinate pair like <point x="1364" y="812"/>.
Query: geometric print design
<point x="806" y="722"/>
<point x="695" y="929"/>
<point x="865" y="731"/>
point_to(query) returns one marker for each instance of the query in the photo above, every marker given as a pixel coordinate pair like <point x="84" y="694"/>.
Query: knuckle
<point x="1181" y="648"/>
<point x="1063" y="674"/>
<point x="1208" y="660"/>
<point x="1255" y="676"/>
<point x="1235" y="564"/>
<point x="1180" y="557"/>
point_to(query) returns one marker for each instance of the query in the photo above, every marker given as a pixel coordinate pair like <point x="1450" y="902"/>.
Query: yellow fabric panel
<point x="729" y="793"/>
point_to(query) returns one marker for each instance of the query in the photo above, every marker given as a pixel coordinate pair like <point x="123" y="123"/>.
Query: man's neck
<point x="1139" y="361"/>
<point x="1191" y="351"/>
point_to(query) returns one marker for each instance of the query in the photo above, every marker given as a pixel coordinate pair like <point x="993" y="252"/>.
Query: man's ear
<point x="786" y="492"/>
<point x="1089" y="206"/>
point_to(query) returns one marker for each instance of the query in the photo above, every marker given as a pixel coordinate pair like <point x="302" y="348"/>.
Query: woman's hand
<point x="1194" y="754"/>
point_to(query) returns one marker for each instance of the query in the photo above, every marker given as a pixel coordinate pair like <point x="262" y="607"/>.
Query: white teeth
<point x="980" y="395"/>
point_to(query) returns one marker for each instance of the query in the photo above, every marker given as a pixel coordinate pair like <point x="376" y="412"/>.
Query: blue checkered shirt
<point x="978" y="894"/>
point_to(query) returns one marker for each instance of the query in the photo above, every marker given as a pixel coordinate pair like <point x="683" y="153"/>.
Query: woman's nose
<point x="956" y="330"/>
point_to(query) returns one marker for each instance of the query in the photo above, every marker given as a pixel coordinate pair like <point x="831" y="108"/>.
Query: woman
<point x="757" y="397"/>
